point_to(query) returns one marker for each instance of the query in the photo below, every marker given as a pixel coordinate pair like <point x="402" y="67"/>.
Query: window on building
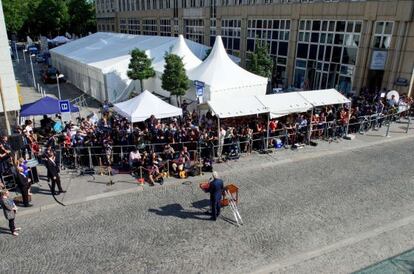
<point x="123" y="27"/>
<point x="275" y="34"/>
<point x="230" y="33"/>
<point x="326" y="54"/>
<point x="194" y="30"/>
<point x="213" y="31"/>
<point x="149" y="27"/>
<point x="133" y="26"/>
<point x="165" y="27"/>
<point x="383" y="34"/>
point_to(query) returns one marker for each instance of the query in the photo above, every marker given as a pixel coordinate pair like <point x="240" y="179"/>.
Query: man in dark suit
<point x="216" y="190"/>
<point x="53" y="173"/>
<point x="9" y="210"/>
<point x="23" y="184"/>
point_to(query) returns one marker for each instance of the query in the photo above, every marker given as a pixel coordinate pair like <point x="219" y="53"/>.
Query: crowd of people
<point x="179" y="146"/>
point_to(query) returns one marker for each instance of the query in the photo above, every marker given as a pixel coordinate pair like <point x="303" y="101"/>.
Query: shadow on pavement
<point x="176" y="210"/>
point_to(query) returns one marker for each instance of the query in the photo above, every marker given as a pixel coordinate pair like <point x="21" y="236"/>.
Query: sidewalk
<point x="28" y="94"/>
<point x="87" y="187"/>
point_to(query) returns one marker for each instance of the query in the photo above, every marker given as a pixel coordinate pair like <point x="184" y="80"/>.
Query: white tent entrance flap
<point x="141" y="107"/>
<point x="237" y="106"/>
<point x="283" y="104"/>
<point x="324" y="97"/>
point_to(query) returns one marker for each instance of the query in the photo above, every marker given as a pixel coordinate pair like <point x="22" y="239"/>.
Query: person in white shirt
<point x="134" y="158"/>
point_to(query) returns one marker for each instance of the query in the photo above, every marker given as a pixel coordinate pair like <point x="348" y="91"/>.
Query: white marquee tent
<point x="277" y="105"/>
<point x="97" y="64"/>
<point x="144" y="105"/>
<point x="223" y="78"/>
<point x="282" y="104"/>
<point x="237" y="106"/>
<point x="324" y="97"/>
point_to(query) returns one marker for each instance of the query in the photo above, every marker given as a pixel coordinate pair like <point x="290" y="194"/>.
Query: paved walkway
<point x="332" y="214"/>
<point x="86" y="187"/>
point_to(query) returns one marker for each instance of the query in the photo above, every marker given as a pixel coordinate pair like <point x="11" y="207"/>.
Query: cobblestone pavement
<point x="332" y="214"/>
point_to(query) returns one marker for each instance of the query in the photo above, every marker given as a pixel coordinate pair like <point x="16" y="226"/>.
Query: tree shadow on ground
<point x="176" y="210"/>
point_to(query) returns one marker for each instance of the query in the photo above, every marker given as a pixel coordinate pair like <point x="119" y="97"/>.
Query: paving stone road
<point x="308" y="216"/>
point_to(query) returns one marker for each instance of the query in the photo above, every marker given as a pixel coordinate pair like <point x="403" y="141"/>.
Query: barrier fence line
<point x="327" y="130"/>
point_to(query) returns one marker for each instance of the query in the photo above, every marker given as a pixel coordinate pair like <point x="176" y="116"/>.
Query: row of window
<point x="326" y="50"/>
<point x="103" y="6"/>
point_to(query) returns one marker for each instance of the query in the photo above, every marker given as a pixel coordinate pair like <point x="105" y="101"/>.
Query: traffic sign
<point x="64" y="106"/>
<point x="199" y="88"/>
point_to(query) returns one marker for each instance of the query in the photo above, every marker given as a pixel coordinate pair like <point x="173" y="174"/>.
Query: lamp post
<point x="58" y="76"/>
<point x="24" y="56"/>
<point x="31" y="65"/>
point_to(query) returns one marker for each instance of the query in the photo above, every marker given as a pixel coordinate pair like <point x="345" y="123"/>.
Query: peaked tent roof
<point x="144" y="105"/>
<point x="221" y="73"/>
<point x="324" y="97"/>
<point x="43" y="106"/>
<point x="181" y="49"/>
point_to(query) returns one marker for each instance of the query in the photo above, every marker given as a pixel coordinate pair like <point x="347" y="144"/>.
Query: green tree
<point x="140" y="67"/>
<point x="260" y="61"/>
<point x="15" y="14"/>
<point x="51" y="17"/>
<point x="174" y="78"/>
<point x="82" y="16"/>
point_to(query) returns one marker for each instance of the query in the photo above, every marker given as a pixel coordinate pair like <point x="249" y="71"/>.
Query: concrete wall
<point x="8" y="81"/>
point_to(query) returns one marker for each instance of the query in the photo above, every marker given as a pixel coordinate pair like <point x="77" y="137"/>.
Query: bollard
<point x="76" y="158"/>
<point x="38" y="87"/>
<point x="90" y="157"/>
<point x="408" y="124"/>
<point x="168" y="168"/>
<point x="140" y="172"/>
<point x="388" y="129"/>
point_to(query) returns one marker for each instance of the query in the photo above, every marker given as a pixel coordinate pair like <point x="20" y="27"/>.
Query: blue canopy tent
<point x="43" y="106"/>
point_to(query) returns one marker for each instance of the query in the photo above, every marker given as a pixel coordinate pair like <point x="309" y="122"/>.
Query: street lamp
<point x="31" y="65"/>
<point x="58" y="76"/>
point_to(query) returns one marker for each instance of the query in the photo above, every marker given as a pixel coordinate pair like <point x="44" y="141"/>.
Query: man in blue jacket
<point x="216" y="190"/>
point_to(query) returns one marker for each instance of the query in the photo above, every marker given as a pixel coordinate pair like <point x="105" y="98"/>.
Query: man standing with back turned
<point x="216" y="190"/>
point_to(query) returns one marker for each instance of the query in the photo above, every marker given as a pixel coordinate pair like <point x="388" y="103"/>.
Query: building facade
<point x="315" y="44"/>
<point x="7" y="79"/>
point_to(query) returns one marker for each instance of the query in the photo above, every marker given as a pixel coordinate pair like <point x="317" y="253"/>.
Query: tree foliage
<point x="15" y="13"/>
<point x="174" y="78"/>
<point x="140" y="67"/>
<point x="82" y="16"/>
<point x="49" y="17"/>
<point x="260" y="61"/>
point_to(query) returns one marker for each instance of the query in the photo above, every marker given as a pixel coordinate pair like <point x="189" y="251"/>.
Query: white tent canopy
<point x="282" y="104"/>
<point x="324" y="97"/>
<point x="61" y="39"/>
<point x="144" y="105"/>
<point x="98" y="64"/>
<point x="238" y="106"/>
<point x="277" y="105"/>
<point x="224" y="78"/>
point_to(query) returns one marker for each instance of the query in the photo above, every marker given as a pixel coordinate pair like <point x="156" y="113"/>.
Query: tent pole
<point x="310" y="127"/>
<point x="267" y="133"/>
<point x="219" y="149"/>
<point x="349" y="119"/>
